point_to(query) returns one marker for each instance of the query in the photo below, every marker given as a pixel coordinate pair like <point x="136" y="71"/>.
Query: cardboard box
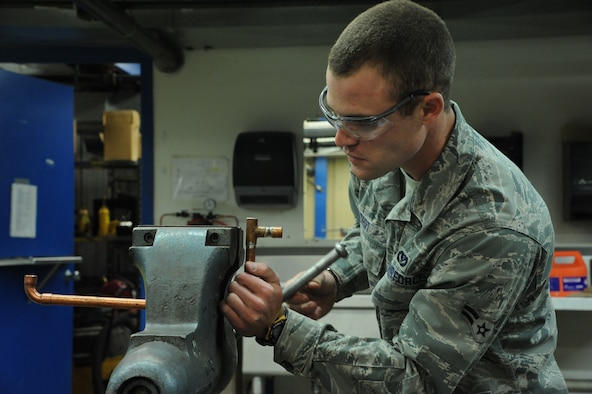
<point x="122" y="138"/>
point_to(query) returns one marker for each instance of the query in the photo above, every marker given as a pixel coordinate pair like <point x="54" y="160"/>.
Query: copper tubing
<point x="255" y="231"/>
<point x="78" y="300"/>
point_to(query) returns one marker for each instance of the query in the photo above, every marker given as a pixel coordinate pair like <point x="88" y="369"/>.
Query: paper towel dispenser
<point x="264" y="169"/>
<point x="577" y="171"/>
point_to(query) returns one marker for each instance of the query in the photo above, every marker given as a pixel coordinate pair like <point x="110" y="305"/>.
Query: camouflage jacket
<point x="458" y="273"/>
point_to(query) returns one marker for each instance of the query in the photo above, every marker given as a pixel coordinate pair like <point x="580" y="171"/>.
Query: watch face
<point x="276" y="331"/>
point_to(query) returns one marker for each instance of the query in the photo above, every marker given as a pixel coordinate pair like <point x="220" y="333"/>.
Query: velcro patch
<point x="480" y="328"/>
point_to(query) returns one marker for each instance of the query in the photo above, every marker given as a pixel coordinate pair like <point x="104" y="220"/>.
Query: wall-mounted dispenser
<point x="511" y="146"/>
<point x="264" y="169"/>
<point x="577" y="171"/>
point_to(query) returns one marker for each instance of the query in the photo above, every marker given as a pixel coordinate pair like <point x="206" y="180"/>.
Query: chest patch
<point x="415" y="281"/>
<point x="402" y="258"/>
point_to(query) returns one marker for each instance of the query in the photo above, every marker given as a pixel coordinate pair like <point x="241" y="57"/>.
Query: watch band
<point x="274" y="330"/>
<point x="338" y="284"/>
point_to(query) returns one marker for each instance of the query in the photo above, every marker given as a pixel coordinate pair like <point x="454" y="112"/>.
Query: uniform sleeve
<point x="350" y="272"/>
<point x="471" y="292"/>
<point x="344" y="364"/>
<point x="473" y="288"/>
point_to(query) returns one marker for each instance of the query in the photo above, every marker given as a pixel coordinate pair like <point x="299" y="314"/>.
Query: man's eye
<point x="361" y="127"/>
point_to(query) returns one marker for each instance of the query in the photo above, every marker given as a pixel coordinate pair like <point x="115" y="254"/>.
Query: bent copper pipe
<point x="78" y="300"/>
<point x="255" y="231"/>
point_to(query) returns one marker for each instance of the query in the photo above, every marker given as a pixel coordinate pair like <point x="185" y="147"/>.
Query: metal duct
<point x="166" y="56"/>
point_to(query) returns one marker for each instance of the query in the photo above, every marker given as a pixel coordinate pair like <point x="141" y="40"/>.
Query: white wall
<point x="219" y="93"/>
<point x="534" y="86"/>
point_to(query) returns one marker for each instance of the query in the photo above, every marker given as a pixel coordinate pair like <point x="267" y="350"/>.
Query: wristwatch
<point x="274" y="330"/>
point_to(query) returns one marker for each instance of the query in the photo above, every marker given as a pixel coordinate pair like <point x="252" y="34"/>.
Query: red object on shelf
<point x="569" y="273"/>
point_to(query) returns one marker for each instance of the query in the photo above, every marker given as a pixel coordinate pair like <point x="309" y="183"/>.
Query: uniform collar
<point x="442" y="181"/>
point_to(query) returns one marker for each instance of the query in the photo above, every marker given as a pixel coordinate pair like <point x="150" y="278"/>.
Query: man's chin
<point x="364" y="174"/>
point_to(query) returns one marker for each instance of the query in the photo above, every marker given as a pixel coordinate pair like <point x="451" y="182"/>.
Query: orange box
<point x="121" y="135"/>
<point x="568" y="274"/>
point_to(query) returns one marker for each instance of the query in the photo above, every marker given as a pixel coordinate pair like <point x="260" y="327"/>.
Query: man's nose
<point x="342" y="138"/>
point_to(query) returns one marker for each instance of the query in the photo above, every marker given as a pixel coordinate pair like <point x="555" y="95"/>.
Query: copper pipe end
<point x="30" y="283"/>
<point x="273" y="232"/>
<point x="255" y="231"/>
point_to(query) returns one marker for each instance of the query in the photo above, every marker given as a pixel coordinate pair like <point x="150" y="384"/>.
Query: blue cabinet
<point x="36" y="232"/>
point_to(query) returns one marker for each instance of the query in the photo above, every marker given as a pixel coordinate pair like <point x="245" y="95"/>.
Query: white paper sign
<point x="23" y="211"/>
<point x="194" y="178"/>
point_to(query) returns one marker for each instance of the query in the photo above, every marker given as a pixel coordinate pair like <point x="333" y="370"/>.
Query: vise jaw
<point x="187" y="346"/>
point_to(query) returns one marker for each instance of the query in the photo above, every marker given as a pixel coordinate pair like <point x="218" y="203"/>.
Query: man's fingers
<point x="263" y="271"/>
<point x="299" y="298"/>
<point x="246" y="292"/>
<point x="230" y="308"/>
<point x="249" y="286"/>
<point x="315" y="283"/>
<point x="239" y="310"/>
<point x="310" y="309"/>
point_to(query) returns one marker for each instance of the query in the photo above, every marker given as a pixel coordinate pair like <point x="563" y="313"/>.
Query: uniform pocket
<point x="374" y="260"/>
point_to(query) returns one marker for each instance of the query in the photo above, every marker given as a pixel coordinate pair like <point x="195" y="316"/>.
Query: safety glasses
<point x="364" y="128"/>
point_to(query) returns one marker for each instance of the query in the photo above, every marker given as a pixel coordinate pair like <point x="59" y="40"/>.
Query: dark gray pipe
<point x="166" y="57"/>
<point x="335" y="254"/>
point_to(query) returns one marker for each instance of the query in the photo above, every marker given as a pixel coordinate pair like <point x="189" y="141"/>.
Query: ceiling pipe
<point x="166" y="56"/>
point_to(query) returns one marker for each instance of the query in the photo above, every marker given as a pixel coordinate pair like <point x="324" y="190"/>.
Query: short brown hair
<point x="409" y="44"/>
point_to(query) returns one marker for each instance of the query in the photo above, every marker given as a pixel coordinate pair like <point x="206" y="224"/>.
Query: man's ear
<point x="432" y="107"/>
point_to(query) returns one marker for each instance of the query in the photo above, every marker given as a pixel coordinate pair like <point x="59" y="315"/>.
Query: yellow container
<point x="104" y="220"/>
<point x="121" y="135"/>
<point x="84" y="224"/>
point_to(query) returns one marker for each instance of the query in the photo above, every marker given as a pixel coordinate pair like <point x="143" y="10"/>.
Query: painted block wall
<point x="534" y="86"/>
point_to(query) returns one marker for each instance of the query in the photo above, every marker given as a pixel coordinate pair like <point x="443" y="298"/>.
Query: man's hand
<point x="254" y="300"/>
<point x="315" y="299"/>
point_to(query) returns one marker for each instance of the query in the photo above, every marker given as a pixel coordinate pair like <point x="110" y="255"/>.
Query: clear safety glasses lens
<point x="363" y="127"/>
<point x="362" y="131"/>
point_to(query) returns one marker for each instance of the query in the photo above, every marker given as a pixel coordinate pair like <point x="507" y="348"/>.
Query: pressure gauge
<point x="209" y="204"/>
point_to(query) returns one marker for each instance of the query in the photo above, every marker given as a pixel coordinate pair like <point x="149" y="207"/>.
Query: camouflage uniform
<point x="459" y="278"/>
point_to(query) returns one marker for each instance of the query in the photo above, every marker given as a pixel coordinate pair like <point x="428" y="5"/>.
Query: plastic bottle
<point x="83" y="222"/>
<point x="104" y="219"/>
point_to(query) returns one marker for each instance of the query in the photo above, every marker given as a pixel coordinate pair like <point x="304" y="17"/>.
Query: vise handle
<point x="335" y="254"/>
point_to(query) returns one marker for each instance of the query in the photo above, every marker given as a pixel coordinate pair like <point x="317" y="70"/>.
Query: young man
<point x="451" y="238"/>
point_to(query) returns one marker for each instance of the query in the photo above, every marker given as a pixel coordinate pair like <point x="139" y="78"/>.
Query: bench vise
<point x="187" y="346"/>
